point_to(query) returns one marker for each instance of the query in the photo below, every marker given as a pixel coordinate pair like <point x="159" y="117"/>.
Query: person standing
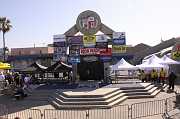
<point x="162" y="76"/>
<point x="172" y="78"/>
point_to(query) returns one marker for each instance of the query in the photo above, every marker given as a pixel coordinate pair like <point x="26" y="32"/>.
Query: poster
<point x="89" y="41"/>
<point x="105" y="52"/>
<point x="75" y="40"/>
<point x="59" y="38"/>
<point x="101" y="38"/>
<point x="89" y="51"/>
<point x="119" y="38"/>
<point x="119" y="49"/>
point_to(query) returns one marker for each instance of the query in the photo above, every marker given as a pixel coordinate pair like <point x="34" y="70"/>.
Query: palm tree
<point x="5" y="26"/>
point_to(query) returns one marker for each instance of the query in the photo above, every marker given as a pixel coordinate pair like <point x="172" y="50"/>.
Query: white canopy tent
<point x="122" y="68"/>
<point x="168" y="61"/>
<point x="150" y="64"/>
<point x="123" y="65"/>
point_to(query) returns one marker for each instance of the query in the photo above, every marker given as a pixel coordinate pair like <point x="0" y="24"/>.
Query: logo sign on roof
<point x="119" y="38"/>
<point x="89" y="41"/>
<point x="88" y="22"/>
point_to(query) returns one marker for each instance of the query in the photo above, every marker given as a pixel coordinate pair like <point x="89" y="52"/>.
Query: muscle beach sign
<point x="88" y="22"/>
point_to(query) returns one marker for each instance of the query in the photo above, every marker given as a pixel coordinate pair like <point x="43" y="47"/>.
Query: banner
<point x="60" y="50"/>
<point x="89" y="41"/>
<point x="75" y="40"/>
<point x="119" y="38"/>
<point x="59" y="44"/>
<point x="90" y="58"/>
<point x="106" y="58"/>
<point x="119" y="49"/>
<point x="74" y="50"/>
<point x="101" y="44"/>
<point x="59" y="38"/>
<point x="105" y="52"/>
<point x="59" y="57"/>
<point x="89" y="51"/>
<point x="101" y="38"/>
<point x="176" y="52"/>
<point x="74" y="60"/>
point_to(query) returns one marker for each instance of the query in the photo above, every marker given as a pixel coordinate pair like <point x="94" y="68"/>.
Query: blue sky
<point x="36" y="21"/>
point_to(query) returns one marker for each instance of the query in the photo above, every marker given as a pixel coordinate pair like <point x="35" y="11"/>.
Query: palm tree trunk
<point x="4" y="51"/>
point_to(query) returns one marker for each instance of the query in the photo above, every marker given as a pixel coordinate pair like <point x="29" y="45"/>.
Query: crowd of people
<point x="20" y="82"/>
<point x="158" y="77"/>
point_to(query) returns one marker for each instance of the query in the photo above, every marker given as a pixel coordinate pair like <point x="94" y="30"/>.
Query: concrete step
<point x="59" y="106"/>
<point x="149" y="87"/>
<point x="85" y="102"/>
<point x="152" y="90"/>
<point x="156" y="92"/>
<point x="140" y="96"/>
<point x="87" y="96"/>
<point x="62" y="97"/>
<point x="118" y="101"/>
<point x="137" y="93"/>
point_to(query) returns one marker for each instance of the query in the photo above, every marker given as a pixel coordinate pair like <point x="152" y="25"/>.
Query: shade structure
<point x="122" y="65"/>
<point x="150" y="64"/>
<point x="168" y="61"/>
<point x="5" y="65"/>
<point x="59" y="67"/>
<point x="154" y="59"/>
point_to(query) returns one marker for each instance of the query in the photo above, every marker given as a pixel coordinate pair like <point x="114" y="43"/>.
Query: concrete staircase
<point x="149" y="91"/>
<point x="61" y="100"/>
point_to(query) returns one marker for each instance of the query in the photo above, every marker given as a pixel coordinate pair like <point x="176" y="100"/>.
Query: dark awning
<point x="59" y="67"/>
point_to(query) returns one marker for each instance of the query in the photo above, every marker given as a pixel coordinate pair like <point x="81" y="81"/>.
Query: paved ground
<point x="22" y="107"/>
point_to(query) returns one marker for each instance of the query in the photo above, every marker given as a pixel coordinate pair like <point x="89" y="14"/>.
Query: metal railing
<point x="133" y="111"/>
<point x="64" y="114"/>
<point x="117" y="112"/>
<point x="26" y="114"/>
<point x="149" y="108"/>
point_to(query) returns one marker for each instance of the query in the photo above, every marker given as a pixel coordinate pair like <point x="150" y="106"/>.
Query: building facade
<point x="23" y="57"/>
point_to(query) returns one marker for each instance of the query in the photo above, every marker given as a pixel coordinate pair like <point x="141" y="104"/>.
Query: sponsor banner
<point x="59" y="57"/>
<point x="60" y="50"/>
<point x="101" y="38"/>
<point x="176" y="55"/>
<point x="119" y="49"/>
<point x="105" y="52"/>
<point x="176" y="52"/>
<point x="75" y="40"/>
<point x="89" y="51"/>
<point x="59" y="44"/>
<point x="119" y="38"/>
<point x="106" y="58"/>
<point x="74" y="50"/>
<point x="101" y="44"/>
<point x="74" y="59"/>
<point x="90" y="58"/>
<point x="59" y="38"/>
<point x="89" y="41"/>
